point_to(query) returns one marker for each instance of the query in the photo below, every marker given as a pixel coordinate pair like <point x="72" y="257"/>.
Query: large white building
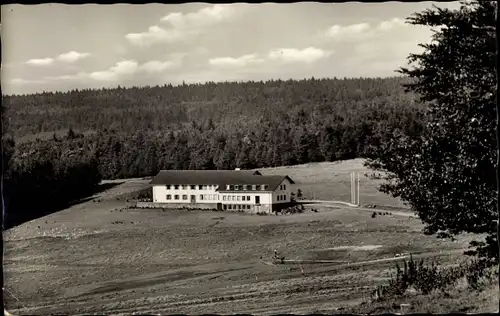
<point x="222" y="190"/>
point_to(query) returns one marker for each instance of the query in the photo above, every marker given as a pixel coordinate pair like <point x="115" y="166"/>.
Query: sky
<point x="57" y="47"/>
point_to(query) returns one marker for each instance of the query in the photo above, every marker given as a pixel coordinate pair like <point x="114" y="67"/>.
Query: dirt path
<point x="354" y="207"/>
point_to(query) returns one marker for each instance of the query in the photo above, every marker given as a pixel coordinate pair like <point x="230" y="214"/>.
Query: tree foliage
<point x="447" y="174"/>
<point x="44" y="176"/>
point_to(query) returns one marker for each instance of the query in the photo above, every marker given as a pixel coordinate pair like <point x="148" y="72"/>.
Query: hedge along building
<point x="222" y="190"/>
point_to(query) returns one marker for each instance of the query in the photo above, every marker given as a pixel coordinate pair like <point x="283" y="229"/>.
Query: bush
<point x="374" y="214"/>
<point x="293" y="209"/>
<point x="428" y="278"/>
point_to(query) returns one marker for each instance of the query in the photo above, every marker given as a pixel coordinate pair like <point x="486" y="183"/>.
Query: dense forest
<point x="137" y="131"/>
<point x="133" y="132"/>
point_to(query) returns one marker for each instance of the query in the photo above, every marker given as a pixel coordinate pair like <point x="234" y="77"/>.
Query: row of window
<point x="209" y="197"/>
<point x="192" y="187"/>
<point x="176" y="197"/>
<point x="204" y="197"/>
<point x="247" y="187"/>
<point x="281" y="197"/>
<point x="230" y="187"/>
<point x="236" y="197"/>
<point x="237" y="206"/>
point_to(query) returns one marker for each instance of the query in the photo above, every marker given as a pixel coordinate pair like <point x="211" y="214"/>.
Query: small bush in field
<point x="374" y="214"/>
<point x="427" y="278"/>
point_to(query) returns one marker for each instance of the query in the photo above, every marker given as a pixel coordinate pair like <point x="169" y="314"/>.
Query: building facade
<point x="233" y="190"/>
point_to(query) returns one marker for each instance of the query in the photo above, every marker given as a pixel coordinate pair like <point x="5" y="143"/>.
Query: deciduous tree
<point x="448" y="173"/>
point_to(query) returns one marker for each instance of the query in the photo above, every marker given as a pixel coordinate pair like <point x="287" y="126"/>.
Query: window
<point x="231" y="187"/>
<point x="248" y="197"/>
<point x="230" y="207"/>
<point x="257" y="187"/>
<point x="223" y="198"/>
<point x="176" y="197"/>
<point x="284" y="186"/>
<point x="168" y="187"/>
<point x="239" y="206"/>
<point x="184" y="197"/>
<point x="184" y="187"/>
<point x="169" y="197"/>
<point x="278" y="197"/>
<point x="200" y="187"/>
<point x="248" y="206"/>
<point x="240" y="187"/>
<point x="233" y="198"/>
<point x="201" y="196"/>
<point x="225" y="206"/>
<point x="193" y="187"/>
<point x="264" y="187"/>
<point x="236" y="187"/>
<point x="176" y="187"/>
<point x="238" y="198"/>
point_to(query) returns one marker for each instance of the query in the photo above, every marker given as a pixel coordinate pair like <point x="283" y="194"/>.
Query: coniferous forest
<point x="135" y="132"/>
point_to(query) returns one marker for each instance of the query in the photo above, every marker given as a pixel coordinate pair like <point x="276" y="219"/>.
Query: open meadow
<point x="332" y="181"/>
<point x="101" y="257"/>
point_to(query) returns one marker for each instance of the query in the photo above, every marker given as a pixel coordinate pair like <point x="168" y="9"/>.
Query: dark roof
<point x="218" y="177"/>
<point x="201" y="176"/>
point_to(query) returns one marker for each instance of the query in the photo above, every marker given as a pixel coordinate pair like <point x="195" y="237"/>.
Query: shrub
<point x="293" y="209"/>
<point x="374" y="214"/>
<point x="428" y="278"/>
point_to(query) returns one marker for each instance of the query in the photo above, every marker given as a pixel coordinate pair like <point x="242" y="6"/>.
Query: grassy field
<point x="332" y="181"/>
<point x="97" y="257"/>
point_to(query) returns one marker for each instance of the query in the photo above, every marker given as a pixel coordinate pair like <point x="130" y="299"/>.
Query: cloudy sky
<point x="60" y="47"/>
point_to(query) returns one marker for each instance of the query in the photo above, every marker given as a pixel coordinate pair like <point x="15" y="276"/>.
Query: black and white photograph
<point x="250" y="158"/>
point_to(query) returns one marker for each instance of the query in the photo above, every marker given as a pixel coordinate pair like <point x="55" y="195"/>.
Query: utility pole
<point x="352" y="188"/>
<point x="358" y="192"/>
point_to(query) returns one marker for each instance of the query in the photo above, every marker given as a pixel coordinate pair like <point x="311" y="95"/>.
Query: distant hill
<point x="134" y="132"/>
<point x="227" y="105"/>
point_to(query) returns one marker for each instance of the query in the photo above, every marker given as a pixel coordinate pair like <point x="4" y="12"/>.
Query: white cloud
<point x="119" y="70"/>
<point x="128" y="68"/>
<point x="155" y="66"/>
<point x="154" y="35"/>
<point x="395" y="22"/>
<point x="40" y="62"/>
<point x="338" y="30"/>
<point x="205" y="17"/>
<point x="363" y="31"/>
<point x="236" y="62"/>
<point x="308" y="55"/>
<point x="72" y="56"/>
<point x="182" y="26"/>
